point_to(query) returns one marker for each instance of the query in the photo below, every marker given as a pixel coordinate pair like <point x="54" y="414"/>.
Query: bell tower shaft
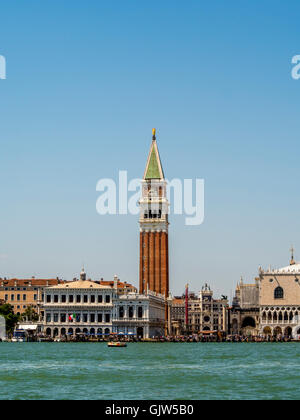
<point x="154" y="206"/>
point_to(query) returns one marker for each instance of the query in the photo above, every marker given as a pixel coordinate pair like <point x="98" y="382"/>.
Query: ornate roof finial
<point x="83" y="274"/>
<point x="292" y="262"/>
<point x="153" y="133"/>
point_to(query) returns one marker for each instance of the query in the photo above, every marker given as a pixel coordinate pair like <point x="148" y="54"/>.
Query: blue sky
<point x="87" y="81"/>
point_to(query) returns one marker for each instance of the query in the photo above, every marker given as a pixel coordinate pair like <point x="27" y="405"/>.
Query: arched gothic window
<point x="278" y="293"/>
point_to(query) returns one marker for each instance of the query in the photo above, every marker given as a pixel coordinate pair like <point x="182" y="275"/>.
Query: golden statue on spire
<point x="153" y="133"/>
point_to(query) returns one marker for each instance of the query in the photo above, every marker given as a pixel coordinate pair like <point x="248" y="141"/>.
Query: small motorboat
<point x="116" y="344"/>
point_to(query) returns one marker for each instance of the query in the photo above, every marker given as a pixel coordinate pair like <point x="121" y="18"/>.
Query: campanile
<point x="154" y="249"/>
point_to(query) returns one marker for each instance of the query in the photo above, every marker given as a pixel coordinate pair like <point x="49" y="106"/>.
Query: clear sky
<point x="87" y="81"/>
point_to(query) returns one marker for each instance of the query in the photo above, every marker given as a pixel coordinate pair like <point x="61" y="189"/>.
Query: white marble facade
<point x="87" y="307"/>
<point x="139" y="315"/>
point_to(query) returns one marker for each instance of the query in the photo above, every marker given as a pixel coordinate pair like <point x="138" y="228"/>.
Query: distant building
<point x="270" y="306"/>
<point x="205" y="314"/>
<point x="123" y="287"/>
<point x="280" y="300"/>
<point x="102" y="308"/>
<point x="243" y="317"/>
<point x="21" y="293"/>
<point x="178" y="315"/>
<point x="81" y="306"/>
<point x="140" y="315"/>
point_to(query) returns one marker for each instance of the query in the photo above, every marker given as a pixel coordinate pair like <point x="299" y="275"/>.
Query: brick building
<point x="154" y="253"/>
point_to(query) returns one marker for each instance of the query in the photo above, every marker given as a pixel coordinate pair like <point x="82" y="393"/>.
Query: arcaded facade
<point x="280" y="301"/>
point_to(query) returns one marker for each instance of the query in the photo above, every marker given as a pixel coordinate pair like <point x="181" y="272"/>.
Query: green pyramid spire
<point x="154" y="167"/>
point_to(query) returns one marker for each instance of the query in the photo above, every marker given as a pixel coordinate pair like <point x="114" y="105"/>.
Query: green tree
<point x="30" y="314"/>
<point x="11" y="319"/>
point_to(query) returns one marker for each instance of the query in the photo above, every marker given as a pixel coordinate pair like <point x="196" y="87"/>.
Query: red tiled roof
<point x="33" y="282"/>
<point x="177" y="301"/>
<point x="121" y="285"/>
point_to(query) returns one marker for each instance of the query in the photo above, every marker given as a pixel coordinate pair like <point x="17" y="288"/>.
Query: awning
<point x="27" y="327"/>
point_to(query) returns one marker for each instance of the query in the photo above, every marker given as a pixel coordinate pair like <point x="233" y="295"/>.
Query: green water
<point x="150" y="371"/>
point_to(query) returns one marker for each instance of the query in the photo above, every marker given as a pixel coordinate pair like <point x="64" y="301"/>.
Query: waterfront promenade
<point x="150" y="371"/>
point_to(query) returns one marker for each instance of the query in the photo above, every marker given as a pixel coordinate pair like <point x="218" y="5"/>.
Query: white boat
<point x="19" y="336"/>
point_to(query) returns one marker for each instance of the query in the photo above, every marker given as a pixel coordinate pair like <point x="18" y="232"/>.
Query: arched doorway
<point x="277" y="331"/>
<point x="99" y="331"/>
<point x="140" y="332"/>
<point x="63" y="331"/>
<point x="267" y="331"/>
<point x="92" y="331"/>
<point x="48" y="332"/>
<point x="77" y="331"/>
<point x="107" y="331"/>
<point x="249" y="326"/>
<point x="70" y="331"/>
<point x="248" y="322"/>
<point x="55" y="332"/>
<point x="85" y="331"/>
<point x="288" y="332"/>
<point x="296" y="332"/>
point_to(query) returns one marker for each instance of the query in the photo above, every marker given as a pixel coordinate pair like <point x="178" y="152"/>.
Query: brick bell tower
<point x="154" y="252"/>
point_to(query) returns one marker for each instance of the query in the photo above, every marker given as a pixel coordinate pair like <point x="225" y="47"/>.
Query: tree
<point x="30" y="314"/>
<point x="11" y="319"/>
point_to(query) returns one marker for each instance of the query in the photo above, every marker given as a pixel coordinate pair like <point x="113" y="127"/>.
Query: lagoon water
<point x="150" y="371"/>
